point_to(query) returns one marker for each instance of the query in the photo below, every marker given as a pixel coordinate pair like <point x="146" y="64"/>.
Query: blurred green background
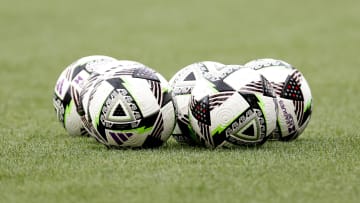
<point x="39" y="162"/>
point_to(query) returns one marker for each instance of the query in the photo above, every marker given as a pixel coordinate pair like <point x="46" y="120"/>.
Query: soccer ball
<point x="293" y="93"/>
<point x="69" y="83"/>
<point x="82" y="106"/>
<point x="129" y="106"/>
<point x="236" y="107"/>
<point x="182" y="84"/>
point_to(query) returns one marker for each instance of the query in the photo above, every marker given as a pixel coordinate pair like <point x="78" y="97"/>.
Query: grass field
<point x="39" y="162"/>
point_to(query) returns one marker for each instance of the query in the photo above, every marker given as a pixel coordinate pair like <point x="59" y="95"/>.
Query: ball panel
<point x="286" y="117"/>
<point x="72" y="121"/>
<point x="241" y="78"/>
<point x="99" y="108"/>
<point x="145" y="100"/>
<point x="268" y="106"/>
<point x="168" y="113"/>
<point x="230" y="109"/>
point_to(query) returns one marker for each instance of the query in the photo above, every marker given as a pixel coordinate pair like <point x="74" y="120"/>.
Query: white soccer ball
<point x="89" y="89"/>
<point x="236" y="107"/>
<point x="68" y="85"/>
<point x="182" y="84"/>
<point x="129" y="106"/>
<point x="293" y="93"/>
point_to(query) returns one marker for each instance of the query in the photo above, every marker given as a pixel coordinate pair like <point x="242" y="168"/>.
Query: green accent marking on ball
<point x="97" y="118"/>
<point x="68" y="110"/>
<point x="261" y="105"/>
<point x="164" y="89"/>
<point x="308" y="105"/>
<point x="219" y="129"/>
<point x="192" y="131"/>
<point x="192" y="134"/>
<point x="140" y="130"/>
<point x="212" y="86"/>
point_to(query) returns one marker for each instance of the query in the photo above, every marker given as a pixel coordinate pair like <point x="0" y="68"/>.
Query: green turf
<point x="39" y="162"/>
